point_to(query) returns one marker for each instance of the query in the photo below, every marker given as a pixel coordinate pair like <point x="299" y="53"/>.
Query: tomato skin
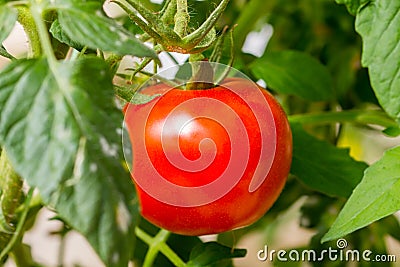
<point x="236" y="208"/>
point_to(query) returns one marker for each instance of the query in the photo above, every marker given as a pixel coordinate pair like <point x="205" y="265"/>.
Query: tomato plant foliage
<point x="333" y="66"/>
<point x="59" y="124"/>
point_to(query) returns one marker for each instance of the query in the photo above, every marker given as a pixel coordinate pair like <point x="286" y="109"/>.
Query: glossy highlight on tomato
<point x="208" y="161"/>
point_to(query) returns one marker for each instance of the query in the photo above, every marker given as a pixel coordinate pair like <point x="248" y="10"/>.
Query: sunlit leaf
<point x="378" y="22"/>
<point x="322" y="166"/>
<point x="206" y="254"/>
<point x="62" y="134"/>
<point x="377" y="196"/>
<point x="85" y="23"/>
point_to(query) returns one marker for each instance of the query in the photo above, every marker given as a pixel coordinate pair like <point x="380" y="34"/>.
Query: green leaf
<point x="377" y="196"/>
<point x="61" y="131"/>
<point x="58" y="33"/>
<point x="296" y="73"/>
<point x="392" y="131"/>
<point x="183" y="245"/>
<point x="4" y="53"/>
<point x="85" y="23"/>
<point x="208" y="253"/>
<point x="8" y="17"/>
<point x="378" y="22"/>
<point x="353" y="5"/>
<point x="322" y="166"/>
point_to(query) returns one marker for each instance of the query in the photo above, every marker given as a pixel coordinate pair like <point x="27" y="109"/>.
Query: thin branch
<point x="142" y="24"/>
<point x="20" y="226"/>
<point x="165" y="32"/>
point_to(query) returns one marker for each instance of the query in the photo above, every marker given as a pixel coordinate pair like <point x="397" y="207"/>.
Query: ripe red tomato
<point x="208" y="161"/>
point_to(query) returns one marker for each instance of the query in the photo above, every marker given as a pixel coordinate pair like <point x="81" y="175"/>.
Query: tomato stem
<point x="11" y="192"/>
<point x="202" y="76"/>
<point x="36" y="9"/>
<point x="26" y="20"/>
<point x="157" y="244"/>
<point x="219" y="50"/>
<point x="177" y="39"/>
<point x="151" y="24"/>
<point x="374" y="117"/>
<point x="19" y="230"/>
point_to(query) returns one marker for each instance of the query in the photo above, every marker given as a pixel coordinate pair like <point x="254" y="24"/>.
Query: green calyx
<point x="170" y="27"/>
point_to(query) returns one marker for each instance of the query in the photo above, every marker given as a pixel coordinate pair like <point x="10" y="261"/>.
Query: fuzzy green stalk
<point x="26" y="20"/>
<point x="10" y="199"/>
<point x="181" y="18"/>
